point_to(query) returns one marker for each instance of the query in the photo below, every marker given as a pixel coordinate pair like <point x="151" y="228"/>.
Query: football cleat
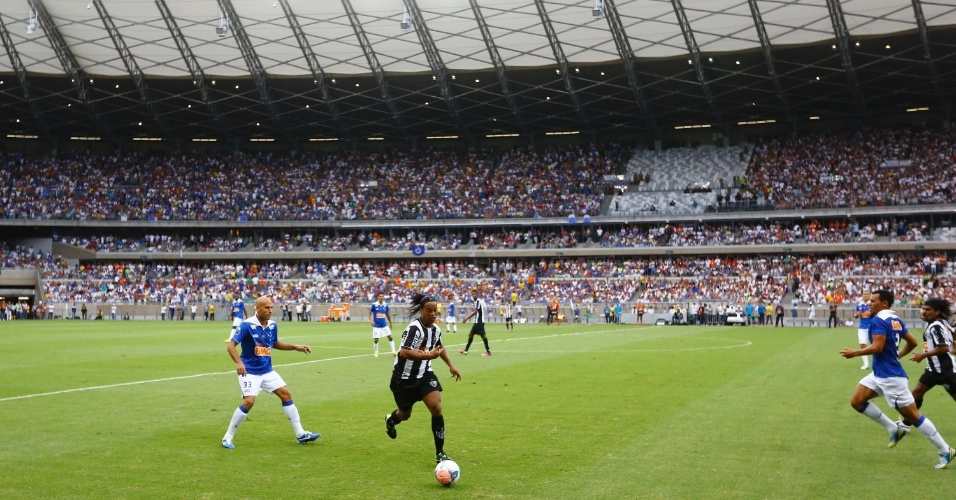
<point x="389" y="428"/>
<point x="899" y="434"/>
<point x="441" y="457"/>
<point x="227" y="444"/>
<point x="394" y="353"/>
<point x="463" y="352"/>
<point x="946" y="458"/>
<point x="376" y="354"/>
<point x="308" y="437"/>
<point x="486" y="353"/>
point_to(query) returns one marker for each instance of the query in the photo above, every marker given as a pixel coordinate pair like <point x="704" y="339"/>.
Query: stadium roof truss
<point x="352" y="69"/>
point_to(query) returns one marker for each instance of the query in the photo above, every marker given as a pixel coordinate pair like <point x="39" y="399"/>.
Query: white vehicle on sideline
<point x="736" y="318"/>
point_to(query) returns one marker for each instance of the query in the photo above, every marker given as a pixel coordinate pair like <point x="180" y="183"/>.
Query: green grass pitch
<point x="104" y="409"/>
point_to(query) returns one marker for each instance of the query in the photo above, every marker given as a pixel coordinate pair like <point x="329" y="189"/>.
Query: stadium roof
<point x="353" y="69"/>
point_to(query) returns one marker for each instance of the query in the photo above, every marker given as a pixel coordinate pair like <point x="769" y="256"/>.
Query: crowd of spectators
<point x="434" y="184"/>
<point x="911" y="165"/>
<point x="629" y="236"/>
<point x="765" y="278"/>
<point x="767" y="233"/>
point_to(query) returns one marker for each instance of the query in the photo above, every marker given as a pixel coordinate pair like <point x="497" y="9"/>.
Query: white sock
<point x="877" y="416"/>
<point x="293" y="414"/>
<point x="391" y="343"/>
<point x="238" y="417"/>
<point x="929" y="430"/>
<point x="375" y="346"/>
<point x="866" y="361"/>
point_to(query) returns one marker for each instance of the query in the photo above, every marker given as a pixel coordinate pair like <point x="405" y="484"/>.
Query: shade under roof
<point x="712" y="69"/>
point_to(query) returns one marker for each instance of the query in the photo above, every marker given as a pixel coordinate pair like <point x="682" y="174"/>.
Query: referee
<point x="478" y="328"/>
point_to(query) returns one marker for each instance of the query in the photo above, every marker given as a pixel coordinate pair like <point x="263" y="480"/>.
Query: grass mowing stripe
<point x="277" y="365"/>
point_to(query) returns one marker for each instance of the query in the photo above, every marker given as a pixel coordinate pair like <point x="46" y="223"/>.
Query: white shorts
<point x="378" y="333"/>
<point x="236" y="322"/>
<point x="812" y="316"/>
<point x="895" y="389"/>
<point x="250" y="385"/>
<point x="450" y="319"/>
<point x="862" y="334"/>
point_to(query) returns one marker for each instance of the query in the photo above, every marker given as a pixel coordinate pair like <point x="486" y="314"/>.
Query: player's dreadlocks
<point x="942" y="306"/>
<point x="418" y="302"/>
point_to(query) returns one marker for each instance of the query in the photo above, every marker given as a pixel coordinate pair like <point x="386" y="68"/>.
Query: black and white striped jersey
<point x="936" y="334"/>
<point x="417" y="338"/>
<point x="480" y="311"/>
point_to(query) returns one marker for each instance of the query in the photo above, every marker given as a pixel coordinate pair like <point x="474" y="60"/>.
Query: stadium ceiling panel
<point x="895" y="63"/>
<point x="398" y="50"/>
<point x="652" y="28"/>
<point x="518" y="32"/>
<point x="456" y="34"/>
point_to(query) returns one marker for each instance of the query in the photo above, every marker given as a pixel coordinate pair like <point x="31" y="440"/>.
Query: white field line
<point x="340" y="358"/>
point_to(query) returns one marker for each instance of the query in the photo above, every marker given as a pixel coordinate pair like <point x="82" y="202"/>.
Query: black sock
<point x="393" y="419"/>
<point x="468" y="345"/>
<point x="485" y="340"/>
<point x="438" y="431"/>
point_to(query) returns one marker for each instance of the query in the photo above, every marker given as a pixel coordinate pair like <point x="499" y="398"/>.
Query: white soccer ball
<point x="447" y="472"/>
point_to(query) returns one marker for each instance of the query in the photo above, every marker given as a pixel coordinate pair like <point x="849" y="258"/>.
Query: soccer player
<point x="412" y="377"/>
<point x="479" y="327"/>
<point x="258" y="336"/>
<point x="863" y="312"/>
<point x="381" y="320"/>
<point x="888" y="379"/>
<point x="451" y="319"/>
<point x="238" y="316"/>
<point x="937" y="344"/>
<point x="508" y="314"/>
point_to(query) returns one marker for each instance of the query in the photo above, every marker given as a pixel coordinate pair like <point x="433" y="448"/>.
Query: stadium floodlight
<point x="223" y="28"/>
<point x="32" y="25"/>
<point x="406" y="20"/>
<point x="598" y="10"/>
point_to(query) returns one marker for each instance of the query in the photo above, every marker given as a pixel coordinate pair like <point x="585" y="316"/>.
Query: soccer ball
<point x="447" y="472"/>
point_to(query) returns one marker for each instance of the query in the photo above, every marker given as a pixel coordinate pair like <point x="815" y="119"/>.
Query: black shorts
<point x="477" y="329"/>
<point x="932" y="379"/>
<point x="409" y="392"/>
<point x="507" y="319"/>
